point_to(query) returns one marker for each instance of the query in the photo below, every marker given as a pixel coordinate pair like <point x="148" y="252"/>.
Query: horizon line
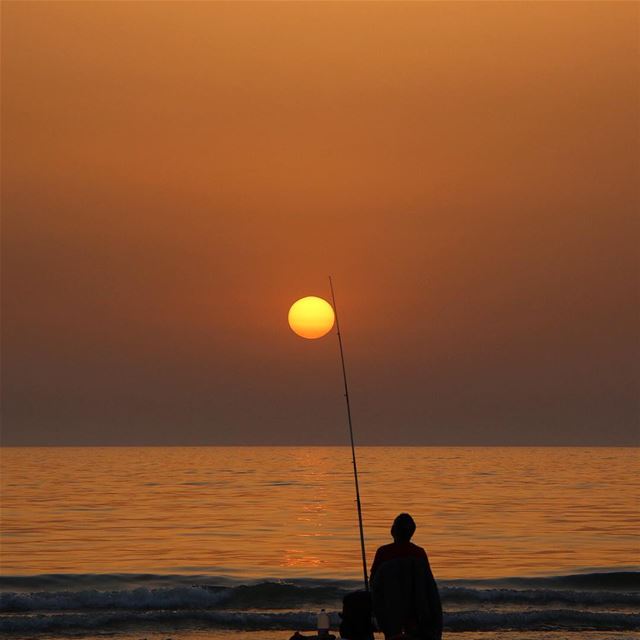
<point x="346" y="446"/>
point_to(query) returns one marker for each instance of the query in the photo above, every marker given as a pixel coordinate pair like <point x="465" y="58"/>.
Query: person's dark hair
<point x="403" y="528"/>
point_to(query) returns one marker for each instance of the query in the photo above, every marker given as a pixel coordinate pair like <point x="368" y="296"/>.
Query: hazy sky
<point x="176" y="174"/>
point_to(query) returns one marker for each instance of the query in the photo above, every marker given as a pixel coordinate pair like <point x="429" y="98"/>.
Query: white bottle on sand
<point x="323" y="624"/>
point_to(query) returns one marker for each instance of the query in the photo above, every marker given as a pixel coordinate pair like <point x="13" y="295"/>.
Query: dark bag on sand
<point x="356" y="615"/>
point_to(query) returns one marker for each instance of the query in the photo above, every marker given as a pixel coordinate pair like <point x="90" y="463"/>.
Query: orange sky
<point x="176" y="174"/>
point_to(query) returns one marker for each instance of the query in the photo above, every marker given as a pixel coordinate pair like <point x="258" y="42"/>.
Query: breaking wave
<point x="55" y="603"/>
<point x="272" y="595"/>
<point x="457" y="621"/>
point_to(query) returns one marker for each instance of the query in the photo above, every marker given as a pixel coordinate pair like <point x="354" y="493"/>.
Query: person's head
<point x="403" y="528"/>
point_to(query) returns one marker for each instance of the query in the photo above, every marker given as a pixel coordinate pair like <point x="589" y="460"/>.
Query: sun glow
<point x="311" y="317"/>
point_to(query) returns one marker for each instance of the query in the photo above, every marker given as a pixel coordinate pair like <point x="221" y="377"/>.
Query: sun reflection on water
<point x="282" y="511"/>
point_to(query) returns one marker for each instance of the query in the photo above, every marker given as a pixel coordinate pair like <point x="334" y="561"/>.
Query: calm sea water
<point x="131" y="538"/>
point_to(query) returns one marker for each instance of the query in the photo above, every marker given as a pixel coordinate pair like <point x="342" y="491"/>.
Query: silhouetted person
<point x="405" y="595"/>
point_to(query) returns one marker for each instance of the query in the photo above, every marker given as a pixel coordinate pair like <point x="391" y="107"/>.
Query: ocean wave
<point x="264" y="595"/>
<point x="281" y="595"/>
<point x="63" y="602"/>
<point x="106" y="621"/>
<point x="569" y="620"/>
<point x="595" y="581"/>
<point x="136" y="599"/>
<point x="102" y="581"/>
<point x="540" y="596"/>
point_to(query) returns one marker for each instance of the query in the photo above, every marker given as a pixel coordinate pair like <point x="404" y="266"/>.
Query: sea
<point x="215" y="543"/>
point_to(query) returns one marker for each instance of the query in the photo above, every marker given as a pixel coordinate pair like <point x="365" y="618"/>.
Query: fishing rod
<point x="353" y="448"/>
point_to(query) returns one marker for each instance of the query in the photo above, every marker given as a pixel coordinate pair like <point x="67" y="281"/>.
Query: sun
<point x="311" y="317"/>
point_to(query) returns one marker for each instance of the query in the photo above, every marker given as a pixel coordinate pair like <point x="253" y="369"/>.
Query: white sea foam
<point x="459" y="621"/>
<point x="274" y="595"/>
<point x="292" y="605"/>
